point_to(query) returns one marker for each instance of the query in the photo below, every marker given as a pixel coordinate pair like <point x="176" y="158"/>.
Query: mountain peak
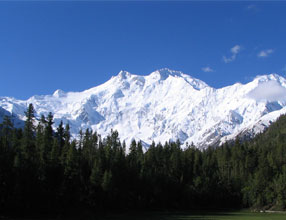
<point x="164" y="73"/>
<point x="59" y="93"/>
<point x="124" y="74"/>
<point x="268" y="77"/>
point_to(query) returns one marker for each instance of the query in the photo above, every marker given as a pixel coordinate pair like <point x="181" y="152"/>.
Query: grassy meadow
<point x="239" y="215"/>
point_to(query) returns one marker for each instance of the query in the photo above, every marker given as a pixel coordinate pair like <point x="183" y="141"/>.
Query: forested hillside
<point x="44" y="171"/>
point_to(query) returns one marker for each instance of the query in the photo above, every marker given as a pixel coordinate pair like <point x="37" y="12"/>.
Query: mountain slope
<point x="165" y="105"/>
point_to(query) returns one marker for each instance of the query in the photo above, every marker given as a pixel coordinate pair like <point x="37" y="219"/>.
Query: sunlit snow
<point x="165" y="105"/>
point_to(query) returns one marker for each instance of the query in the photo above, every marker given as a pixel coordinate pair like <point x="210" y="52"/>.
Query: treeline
<point x="44" y="171"/>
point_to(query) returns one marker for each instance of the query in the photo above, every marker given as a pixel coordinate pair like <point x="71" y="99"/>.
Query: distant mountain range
<point x="165" y="105"/>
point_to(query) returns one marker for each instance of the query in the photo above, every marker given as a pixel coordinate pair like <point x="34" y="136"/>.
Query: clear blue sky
<point x="77" y="45"/>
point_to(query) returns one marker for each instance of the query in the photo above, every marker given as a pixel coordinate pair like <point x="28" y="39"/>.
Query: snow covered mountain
<point x="165" y="105"/>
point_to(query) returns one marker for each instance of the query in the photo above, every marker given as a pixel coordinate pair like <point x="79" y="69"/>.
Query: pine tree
<point x="6" y="161"/>
<point x="27" y="164"/>
<point x="60" y="134"/>
<point x="66" y="146"/>
<point x="107" y="181"/>
<point x="29" y="149"/>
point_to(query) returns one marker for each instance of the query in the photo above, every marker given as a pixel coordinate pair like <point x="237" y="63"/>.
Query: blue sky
<point x="75" y="45"/>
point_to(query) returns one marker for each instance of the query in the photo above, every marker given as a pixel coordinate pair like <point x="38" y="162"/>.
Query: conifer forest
<point x="45" y="171"/>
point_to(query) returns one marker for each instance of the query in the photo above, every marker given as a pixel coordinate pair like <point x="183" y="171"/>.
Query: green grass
<point x="243" y="215"/>
<point x="239" y="215"/>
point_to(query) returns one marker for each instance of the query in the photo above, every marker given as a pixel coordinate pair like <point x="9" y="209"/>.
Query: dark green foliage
<point x="44" y="171"/>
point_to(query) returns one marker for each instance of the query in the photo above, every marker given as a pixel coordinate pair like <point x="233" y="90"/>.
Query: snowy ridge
<point x="165" y="105"/>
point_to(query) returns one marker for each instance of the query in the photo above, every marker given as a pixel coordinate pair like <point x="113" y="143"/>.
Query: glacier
<point x="165" y="105"/>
